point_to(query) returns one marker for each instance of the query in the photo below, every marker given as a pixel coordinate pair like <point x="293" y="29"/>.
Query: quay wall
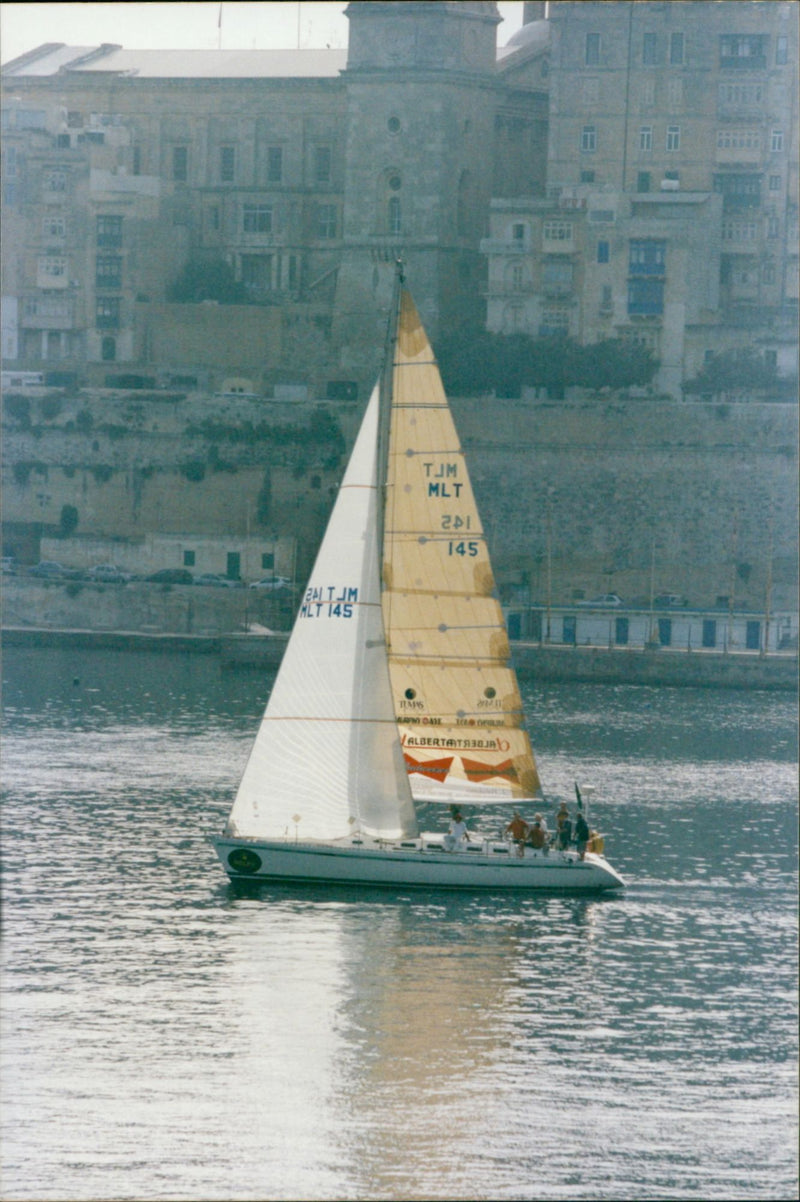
<point x="602" y="487"/>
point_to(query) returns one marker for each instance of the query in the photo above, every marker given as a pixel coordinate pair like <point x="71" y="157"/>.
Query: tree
<point x="614" y="363"/>
<point x="69" y="521"/>
<point x="741" y="369"/>
<point x="207" y="279"/>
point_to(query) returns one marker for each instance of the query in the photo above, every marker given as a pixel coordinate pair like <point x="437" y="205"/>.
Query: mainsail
<point x="455" y="693"/>
<point x="326" y="762"/>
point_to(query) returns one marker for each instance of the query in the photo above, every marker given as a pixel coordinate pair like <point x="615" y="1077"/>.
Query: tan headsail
<point x="455" y="693"/>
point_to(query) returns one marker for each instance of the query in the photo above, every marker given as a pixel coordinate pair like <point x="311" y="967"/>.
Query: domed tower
<point x="421" y="94"/>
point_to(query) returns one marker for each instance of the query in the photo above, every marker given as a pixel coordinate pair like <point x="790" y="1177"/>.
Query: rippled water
<point x="164" y="1038"/>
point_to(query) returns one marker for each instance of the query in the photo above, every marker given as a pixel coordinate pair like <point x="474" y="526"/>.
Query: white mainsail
<point x="327" y="762"/>
<point x="456" y="695"/>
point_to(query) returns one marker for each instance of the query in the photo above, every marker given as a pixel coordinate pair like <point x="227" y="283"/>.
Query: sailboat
<point x="395" y="692"/>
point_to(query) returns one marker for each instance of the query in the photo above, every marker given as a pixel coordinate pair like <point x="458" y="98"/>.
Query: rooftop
<point x="55" y="58"/>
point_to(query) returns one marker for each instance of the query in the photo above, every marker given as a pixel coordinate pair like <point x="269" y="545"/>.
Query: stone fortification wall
<point x="695" y="488"/>
<point x="609" y="487"/>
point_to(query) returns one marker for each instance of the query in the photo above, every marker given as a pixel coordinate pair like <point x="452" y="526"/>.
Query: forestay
<point x="455" y="693"/>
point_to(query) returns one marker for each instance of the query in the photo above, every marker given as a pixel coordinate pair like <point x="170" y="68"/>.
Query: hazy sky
<point x="189" y="24"/>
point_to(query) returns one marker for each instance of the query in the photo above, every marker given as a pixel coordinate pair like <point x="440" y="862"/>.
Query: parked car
<point x="272" y="582"/>
<point x="108" y="573"/>
<point x="49" y="569"/>
<point x="606" y="601"/>
<point x="210" y="579"/>
<point x="9" y="565"/>
<point x="669" y="601"/>
<point x="171" y="576"/>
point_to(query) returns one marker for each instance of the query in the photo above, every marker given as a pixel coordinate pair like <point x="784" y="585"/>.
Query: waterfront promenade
<point x="661" y="666"/>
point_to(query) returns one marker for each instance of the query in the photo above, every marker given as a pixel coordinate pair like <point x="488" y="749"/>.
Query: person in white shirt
<point x="458" y="834"/>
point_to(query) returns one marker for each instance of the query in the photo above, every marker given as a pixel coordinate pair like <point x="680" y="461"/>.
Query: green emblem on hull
<point x="241" y="859"/>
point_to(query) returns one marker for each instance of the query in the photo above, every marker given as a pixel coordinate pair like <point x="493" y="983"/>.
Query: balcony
<point x="48" y="313"/>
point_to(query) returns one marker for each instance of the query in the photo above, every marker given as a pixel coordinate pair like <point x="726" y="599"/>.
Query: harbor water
<point x="164" y="1037"/>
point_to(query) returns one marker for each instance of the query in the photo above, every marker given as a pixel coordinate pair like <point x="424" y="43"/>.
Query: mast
<point x="385" y="407"/>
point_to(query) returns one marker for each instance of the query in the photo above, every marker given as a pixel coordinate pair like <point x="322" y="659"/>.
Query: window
<point x="676" y="48"/>
<point x="136" y="160"/>
<point x="773" y="226"/>
<point x="267" y="561"/>
<point x="649" y="50"/>
<point x="56" y="227"/>
<point x="673" y="137"/>
<point x="322" y="164"/>
<point x="109" y="230"/>
<point x="257" y="272"/>
<point x="602" y="252"/>
<point x="743" y="50"/>
<point x="227" y="164"/>
<point x="592" y="51"/>
<point x="768" y="272"/>
<point x="752" y="635"/>
<point x="513" y="319"/>
<point x="606" y="300"/>
<point x="648" y="92"/>
<point x="212" y="217"/>
<point x="557" y="231"/>
<point x="621" y="631"/>
<point x="55" y="181"/>
<point x="739" y="191"/>
<point x="518" y="232"/>
<point x="776" y="140"/>
<point x="645" y="298"/>
<point x="675" y="93"/>
<point x="107" y="312"/>
<point x="108" y="271"/>
<point x="643" y="181"/>
<point x="326" y="221"/>
<point x="188" y="559"/>
<point x="557" y="275"/>
<point x="555" y="321"/>
<point x="647" y="257"/>
<point x="646" y="137"/>
<point x="394" y="215"/>
<point x="709" y="632"/>
<point x="781" y="49"/>
<point x="739" y="231"/>
<point x="774" y="183"/>
<point x="180" y="163"/>
<point x="274" y="164"/>
<point x="738" y="139"/>
<point x="587" y="177"/>
<point x="740" y="95"/>
<point x="589" y="138"/>
<point x="257" y="219"/>
<point x="108" y="349"/>
<point x="517" y="277"/>
<point x="52" y="267"/>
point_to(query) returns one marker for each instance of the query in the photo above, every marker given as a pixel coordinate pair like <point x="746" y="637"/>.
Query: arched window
<point x="393" y="216"/>
<point x="109" y="349"/>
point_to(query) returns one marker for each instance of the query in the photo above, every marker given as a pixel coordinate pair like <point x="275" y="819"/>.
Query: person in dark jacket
<point x="581" y="834"/>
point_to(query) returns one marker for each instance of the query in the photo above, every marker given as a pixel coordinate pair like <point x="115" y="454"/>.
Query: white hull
<point x="416" y="863"/>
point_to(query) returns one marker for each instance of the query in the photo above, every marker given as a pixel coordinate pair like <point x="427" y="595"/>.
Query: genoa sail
<point x="456" y="695"/>
<point x="326" y="762"/>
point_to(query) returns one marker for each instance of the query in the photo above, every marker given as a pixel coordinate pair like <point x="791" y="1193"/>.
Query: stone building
<point x="670" y="215"/>
<point x="617" y="170"/>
